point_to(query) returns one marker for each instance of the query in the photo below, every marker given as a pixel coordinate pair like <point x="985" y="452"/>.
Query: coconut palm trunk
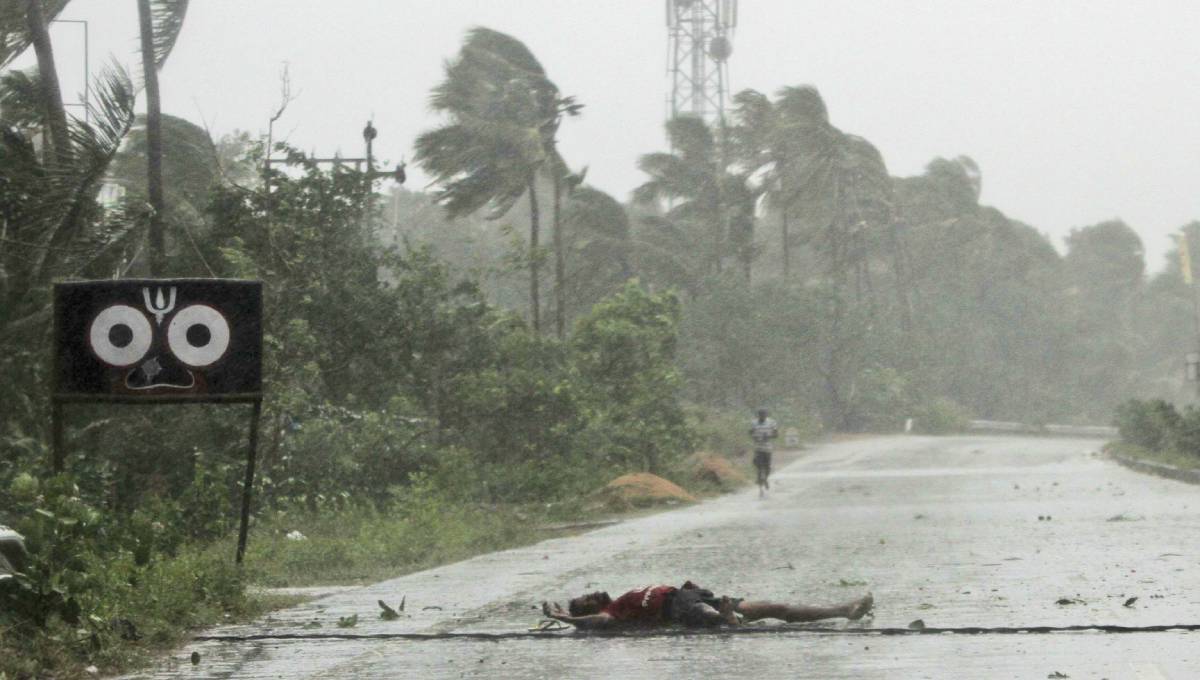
<point x="560" y="265"/>
<point x="154" y="181"/>
<point x="56" y="113"/>
<point x="534" y="233"/>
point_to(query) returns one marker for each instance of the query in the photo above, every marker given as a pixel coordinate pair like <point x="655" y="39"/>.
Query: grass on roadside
<point x="1166" y="457"/>
<point x="362" y="544"/>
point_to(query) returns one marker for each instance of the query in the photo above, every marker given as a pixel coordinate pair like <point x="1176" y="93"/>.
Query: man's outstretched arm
<point x="589" y="622"/>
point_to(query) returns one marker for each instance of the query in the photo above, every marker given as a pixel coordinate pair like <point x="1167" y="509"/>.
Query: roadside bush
<point x="1184" y="436"/>
<point x="725" y="433"/>
<point x="332" y="452"/>
<point x="1149" y="424"/>
<point x="939" y="416"/>
<point x="95" y="579"/>
<point x="624" y="358"/>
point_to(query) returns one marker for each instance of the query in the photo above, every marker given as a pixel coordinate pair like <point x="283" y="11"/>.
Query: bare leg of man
<point x="796" y="613"/>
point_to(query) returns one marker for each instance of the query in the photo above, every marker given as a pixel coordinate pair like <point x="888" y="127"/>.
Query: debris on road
<point x="348" y="621"/>
<point x="1130" y="601"/>
<point x="1125" y="517"/>
<point x="919" y="624"/>
<point x="1064" y="601"/>
<point x="388" y="614"/>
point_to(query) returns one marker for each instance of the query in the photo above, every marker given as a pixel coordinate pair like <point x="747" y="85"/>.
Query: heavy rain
<point x="587" y="339"/>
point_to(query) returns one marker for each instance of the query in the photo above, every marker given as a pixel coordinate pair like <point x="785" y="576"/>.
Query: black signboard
<point x="158" y="340"/>
<point x="153" y="341"/>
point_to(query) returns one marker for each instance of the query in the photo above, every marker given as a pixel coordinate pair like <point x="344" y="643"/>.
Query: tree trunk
<point x="52" y="102"/>
<point x="154" y="182"/>
<point x="534" y="228"/>
<point x="560" y="266"/>
<point x="787" y="259"/>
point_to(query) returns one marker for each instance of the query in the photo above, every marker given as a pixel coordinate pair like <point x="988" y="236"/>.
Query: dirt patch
<point x="717" y="470"/>
<point x="640" y="490"/>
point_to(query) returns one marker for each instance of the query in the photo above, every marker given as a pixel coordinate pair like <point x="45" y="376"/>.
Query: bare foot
<point x="728" y="617"/>
<point x="862" y="607"/>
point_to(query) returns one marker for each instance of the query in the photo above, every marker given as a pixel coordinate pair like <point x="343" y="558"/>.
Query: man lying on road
<point x="689" y="605"/>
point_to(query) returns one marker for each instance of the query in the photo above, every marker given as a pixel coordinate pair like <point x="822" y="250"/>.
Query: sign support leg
<point x="248" y="489"/>
<point x="56" y="436"/>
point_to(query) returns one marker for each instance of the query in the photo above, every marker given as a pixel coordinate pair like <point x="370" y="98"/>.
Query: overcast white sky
<point x="1076" y="110"/>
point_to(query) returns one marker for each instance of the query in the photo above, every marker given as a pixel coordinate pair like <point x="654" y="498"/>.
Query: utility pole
<point x="370" y="174"/>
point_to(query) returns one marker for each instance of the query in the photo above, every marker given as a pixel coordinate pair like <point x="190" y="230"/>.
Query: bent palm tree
<point x="503" y="115"/>
<point x="711" y="207"/>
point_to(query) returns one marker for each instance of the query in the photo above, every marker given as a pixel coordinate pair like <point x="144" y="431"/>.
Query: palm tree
<point x="50" y="223"/>
<point x="160" y="22"/>
<point x="504" y="114"/>
<point x="48" y="207"/>
<point x="598" y="246"/>
<point x="711" y="209"/>
<point x="38" y="35"/>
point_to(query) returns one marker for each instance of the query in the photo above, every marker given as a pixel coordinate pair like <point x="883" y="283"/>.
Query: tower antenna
<point x="700" y="34"/>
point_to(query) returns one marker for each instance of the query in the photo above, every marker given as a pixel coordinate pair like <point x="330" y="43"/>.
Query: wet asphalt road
<point x="946" y="530"/>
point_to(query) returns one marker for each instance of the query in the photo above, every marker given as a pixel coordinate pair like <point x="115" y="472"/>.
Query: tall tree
<point x="160" y="23"/>
<point x="56" y="113"/>
<point x="503" y="115"/>
<point x="709" y="209"/>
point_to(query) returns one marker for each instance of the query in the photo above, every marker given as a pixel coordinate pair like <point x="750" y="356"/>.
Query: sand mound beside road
<point x="717" y="470"/>
<point x="642" y="489"/>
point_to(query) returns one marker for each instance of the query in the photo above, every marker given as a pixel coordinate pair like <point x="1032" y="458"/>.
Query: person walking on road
<point x="689" y="605"/>
<point x="762" y="431"/>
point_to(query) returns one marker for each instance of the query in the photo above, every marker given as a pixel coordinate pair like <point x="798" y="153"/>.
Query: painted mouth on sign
<point x="165" y="377"/>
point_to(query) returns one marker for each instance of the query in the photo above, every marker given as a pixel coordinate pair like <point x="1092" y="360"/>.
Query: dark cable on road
<point x="686" y="632"/>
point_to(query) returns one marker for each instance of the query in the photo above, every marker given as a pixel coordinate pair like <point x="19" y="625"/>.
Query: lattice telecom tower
<point x="700" y="33"/>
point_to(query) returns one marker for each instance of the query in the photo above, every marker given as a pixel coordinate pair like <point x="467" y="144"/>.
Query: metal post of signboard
<point x="248" y="489"/>
<point x="56" y="436"/>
